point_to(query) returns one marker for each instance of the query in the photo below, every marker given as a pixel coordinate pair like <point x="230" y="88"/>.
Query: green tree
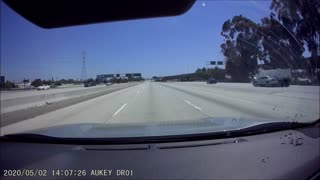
<point x="36" y="82"/>
<point x="198" y="70"/>
<point x="57" y="83"/>
<point x="280" y="48"/>
<point x="217" y="73"/>
<point x="90" y="80"/>
<point x="9" y="85"/>
<point x="301" y="20"/>
<point x="48" y="82"/>
<point x="241" y="47"/>
<point x="70" y="81"/>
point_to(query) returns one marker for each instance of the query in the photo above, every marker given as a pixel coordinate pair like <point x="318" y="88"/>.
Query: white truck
<point x="281" y="76"/>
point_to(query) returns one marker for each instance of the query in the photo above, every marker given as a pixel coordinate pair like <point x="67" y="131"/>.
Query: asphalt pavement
<point x="12" y="101"/>
<point x="179" y="101"/>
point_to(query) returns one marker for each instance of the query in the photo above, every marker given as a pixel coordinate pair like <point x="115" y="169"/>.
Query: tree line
<point x="278" y="40"/>
<point x="38" y="82"/>
<point x="206" y="73"/>
<point x="8" y="85"/>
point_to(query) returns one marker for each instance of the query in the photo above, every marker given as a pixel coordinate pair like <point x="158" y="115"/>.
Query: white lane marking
<point x="192" y="105"/>
<point x="119" y="110"/>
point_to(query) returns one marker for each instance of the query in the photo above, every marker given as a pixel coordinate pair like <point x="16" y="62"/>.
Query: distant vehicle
<point x="265" y="81"/>
<point x="53" y="86"/>
<point x="303" y="81"/>
<point x="89" y="84"/>
<point x="108" y="84"/>
<point x="43" y="87"/>
<point x="212" y="81"/>
<point x="282" y="76"/>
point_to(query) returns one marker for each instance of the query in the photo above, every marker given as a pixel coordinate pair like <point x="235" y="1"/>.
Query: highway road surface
<point x="33" y="92"/>
<point x="16" y="100"/>
<point x="179" y="101"/>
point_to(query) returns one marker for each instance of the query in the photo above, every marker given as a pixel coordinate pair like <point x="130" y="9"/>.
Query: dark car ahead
<point x="212" y="81"/>
<point x="108" y="83"/>
<point x="89" y="84"/>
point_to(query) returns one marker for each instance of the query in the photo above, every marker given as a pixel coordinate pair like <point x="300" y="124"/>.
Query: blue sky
<point x="153" y="47"/>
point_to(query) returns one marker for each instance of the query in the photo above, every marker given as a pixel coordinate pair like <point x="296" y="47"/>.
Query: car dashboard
<point x="288" y="154"/>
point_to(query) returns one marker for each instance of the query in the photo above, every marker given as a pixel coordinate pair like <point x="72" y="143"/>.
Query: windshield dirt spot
<point x="292" y="139"/>
<point x="265" y="160"/>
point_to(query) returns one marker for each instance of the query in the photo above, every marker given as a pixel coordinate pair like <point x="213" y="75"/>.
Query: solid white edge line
<point x="119" y="110"/>
<point x="192" y="105"/>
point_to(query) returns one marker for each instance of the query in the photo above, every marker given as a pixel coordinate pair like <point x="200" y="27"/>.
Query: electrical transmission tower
<point x="83" y="71"/>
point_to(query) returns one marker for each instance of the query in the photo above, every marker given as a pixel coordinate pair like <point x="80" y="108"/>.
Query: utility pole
<point x="83" y="70"/>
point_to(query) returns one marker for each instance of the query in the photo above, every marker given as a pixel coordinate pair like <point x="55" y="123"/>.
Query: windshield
<point x="158" y="73"/>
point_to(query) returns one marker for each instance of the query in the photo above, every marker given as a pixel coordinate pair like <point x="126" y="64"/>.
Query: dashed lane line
<point x="196" y="107"/>
<point x="119" y="109"/>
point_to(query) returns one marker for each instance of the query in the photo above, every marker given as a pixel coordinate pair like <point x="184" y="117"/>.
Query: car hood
<point x="102" y="130"/>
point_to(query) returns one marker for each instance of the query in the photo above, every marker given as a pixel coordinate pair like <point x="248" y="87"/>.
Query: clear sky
<point x="153" y="47"/>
